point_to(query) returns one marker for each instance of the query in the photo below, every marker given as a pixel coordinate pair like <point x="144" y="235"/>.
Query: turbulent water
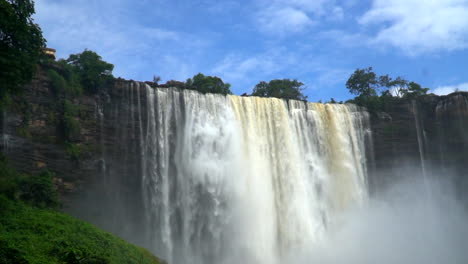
<point x="229" y="179"/>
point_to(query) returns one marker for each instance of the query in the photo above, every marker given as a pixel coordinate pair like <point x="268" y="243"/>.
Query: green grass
<point x="33" y="235"/>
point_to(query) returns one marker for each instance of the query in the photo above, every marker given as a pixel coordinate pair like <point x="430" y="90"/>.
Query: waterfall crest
<point x="229" y="179"/>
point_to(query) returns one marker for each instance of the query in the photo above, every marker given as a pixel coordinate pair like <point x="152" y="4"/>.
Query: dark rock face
<point x="98" y="186"/>
<point x="428" y="136"/>
<point x="32" y="140"/>
<point x="111" y="199"/>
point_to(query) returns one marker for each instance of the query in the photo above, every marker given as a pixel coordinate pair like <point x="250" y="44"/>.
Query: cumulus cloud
<point x="284" y="20"/>
<point x="444" y="90"/>
<point x="282" y="17"/>
<point x="419" y="26"/>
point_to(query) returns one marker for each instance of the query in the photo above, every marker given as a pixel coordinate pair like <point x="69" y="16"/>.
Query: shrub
<point x="59" y="84"/>
<point x="39" y="190"/>
<point x="10" y="255"/>
<point x="74" y="151"/>
<point x="9" y="179"/>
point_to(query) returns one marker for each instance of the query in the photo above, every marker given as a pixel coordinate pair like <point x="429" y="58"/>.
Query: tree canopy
<point x="415" y="90"/>
<point x="21" y="44"/>
<point x="280" y="88"/>
<point x="367" y="85"/>
<point x="208" y="84"/>
<point x="92" y="71"/>
<point x="363" y="82"/>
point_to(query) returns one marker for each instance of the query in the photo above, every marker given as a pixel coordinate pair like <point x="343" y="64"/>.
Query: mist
<point x="413" y="221"/>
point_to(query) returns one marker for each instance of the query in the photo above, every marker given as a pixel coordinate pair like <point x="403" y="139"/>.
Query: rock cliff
<point x="425" y="136"/>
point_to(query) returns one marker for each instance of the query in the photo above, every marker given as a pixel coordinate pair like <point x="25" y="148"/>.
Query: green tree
<point x="208" y="84"/>
<point x="21" y="44"/>
<point x="415" y="90"/>
<point x="364" y="82"/>
<point x="93" y="72"/>
<point x="280" y="88"/>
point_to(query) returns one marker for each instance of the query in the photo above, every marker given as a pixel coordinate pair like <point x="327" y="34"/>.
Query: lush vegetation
<point x="92" y="72"/>
<point x="83" y="72"/>
<point x="32" y="231"/>
<point x="377" y="92"/>
<point x="208" y="84"/>
<point x="33" y="235"/>
<point x="21" y="44"/>
<point x="284" y="88"/>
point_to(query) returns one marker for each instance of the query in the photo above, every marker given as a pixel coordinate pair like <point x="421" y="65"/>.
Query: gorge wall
<point x="177" y="171"/>
<point x="427" y="136"/>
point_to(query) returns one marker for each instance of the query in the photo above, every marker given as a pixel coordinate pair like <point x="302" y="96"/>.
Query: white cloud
<point x="241" y="68"/>
<point x="418" y="26"/>
<point x="282" y="17"/>
<point x="444" y="90"/>
<point x="285" y="20"/>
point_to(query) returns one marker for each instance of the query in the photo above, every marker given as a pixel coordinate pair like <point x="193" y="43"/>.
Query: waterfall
<point x="229" y="179"/>
<point x="420" y="136"/>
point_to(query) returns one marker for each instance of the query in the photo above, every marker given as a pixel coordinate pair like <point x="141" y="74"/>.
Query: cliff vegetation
<point x="33" y="231"/>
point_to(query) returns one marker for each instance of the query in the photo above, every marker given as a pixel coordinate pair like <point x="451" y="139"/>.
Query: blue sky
<point x="318" y="42"/>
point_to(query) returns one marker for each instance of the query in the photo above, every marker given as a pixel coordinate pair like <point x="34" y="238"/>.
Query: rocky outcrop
<point x="424" y="136"/>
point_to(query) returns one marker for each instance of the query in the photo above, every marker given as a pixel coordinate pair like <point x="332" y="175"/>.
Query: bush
<point x="74" y="151"/>
<point x="59" y="84"/>
<point x="33" y="235"/>
<point x="285" y="88"/>
<point x="10" y="255"/>
<point x="9" y="180"/>
<point x="208" y="84"/>
<point x="39" y="190"/>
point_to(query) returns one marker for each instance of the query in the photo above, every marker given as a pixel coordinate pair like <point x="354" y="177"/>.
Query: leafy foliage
<point x="208" y="84"/>
<point x="33" y="235"/>
<point x="66" y="83"/>
<point x="363" y="82"/>
<point x="37" y="190"/>
<point x="32" y="232"/>
<point x="92" y="71"/>
<point x="367" y="85"/>
<point x="75" y="151"/>
<point x="21" y="44"/>
<point x="285" y="88"/>
<point x="415" y="90"/>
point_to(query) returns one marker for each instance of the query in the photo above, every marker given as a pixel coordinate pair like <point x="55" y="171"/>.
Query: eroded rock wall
<point x="425" y="136"/>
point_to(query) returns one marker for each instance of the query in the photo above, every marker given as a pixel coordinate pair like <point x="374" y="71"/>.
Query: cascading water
<point x="229" y="179"/>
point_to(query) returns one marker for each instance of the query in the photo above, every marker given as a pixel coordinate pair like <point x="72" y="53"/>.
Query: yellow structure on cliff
<point x="49" y="52"/>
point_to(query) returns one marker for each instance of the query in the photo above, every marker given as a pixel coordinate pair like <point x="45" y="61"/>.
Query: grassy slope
<point x="33" y="235"/>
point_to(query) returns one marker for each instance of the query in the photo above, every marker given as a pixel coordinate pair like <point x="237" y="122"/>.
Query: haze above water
<point x="405" y="224"/>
